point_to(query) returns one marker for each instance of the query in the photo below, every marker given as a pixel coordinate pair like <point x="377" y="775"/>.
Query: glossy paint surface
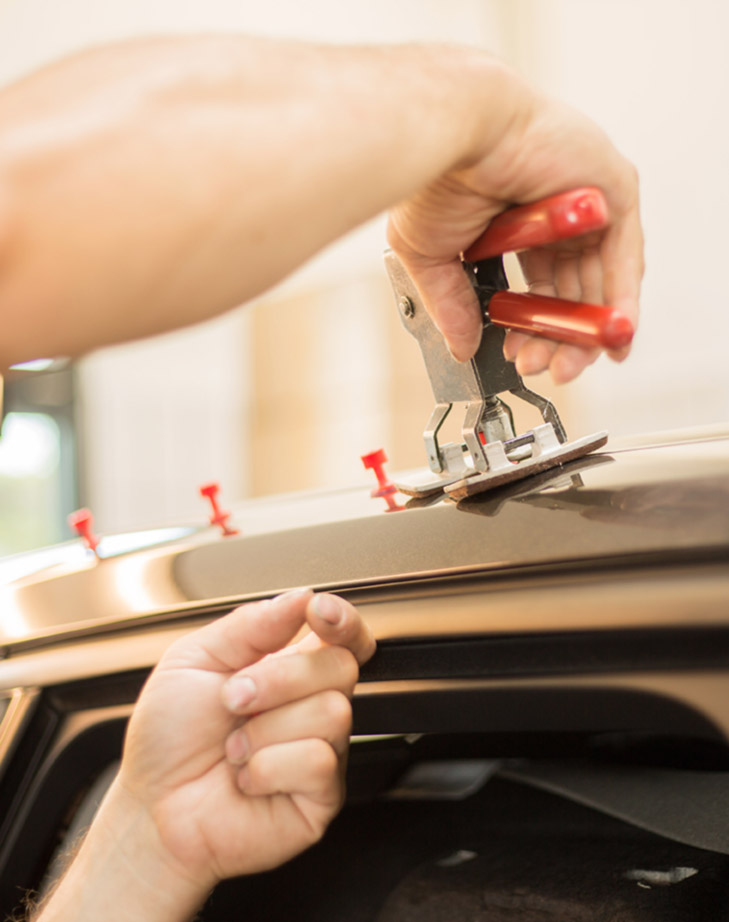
<point x="660" y="505"/>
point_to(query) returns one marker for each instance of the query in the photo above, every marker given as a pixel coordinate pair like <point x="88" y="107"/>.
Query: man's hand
<point x="233" y="762"/>
<point x="547" y="148"/>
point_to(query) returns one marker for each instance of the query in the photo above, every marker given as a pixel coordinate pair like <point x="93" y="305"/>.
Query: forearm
<point x="156" y="183"/>
<point x="121" y="874"/>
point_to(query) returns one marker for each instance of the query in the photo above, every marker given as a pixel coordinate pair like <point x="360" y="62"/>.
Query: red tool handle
<point x="569" y="214"/>
<point x="566" y="321"/>
<point x="560" y="217"/>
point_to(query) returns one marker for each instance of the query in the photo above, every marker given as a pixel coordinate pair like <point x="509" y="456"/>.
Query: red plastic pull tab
<point x="82" y="522"/>
<point x="559" y="217"/>
<point x="573" y="322"/>
<point x="375" y="461"/>
<point x="217" y="516"/>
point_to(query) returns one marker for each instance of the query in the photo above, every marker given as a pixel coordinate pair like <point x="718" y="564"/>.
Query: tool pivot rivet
<point x="407" y="307"/>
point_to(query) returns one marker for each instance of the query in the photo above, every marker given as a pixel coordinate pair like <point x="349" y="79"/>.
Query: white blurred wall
<point x="655" y="75"/>
<point x="164" y="416"/>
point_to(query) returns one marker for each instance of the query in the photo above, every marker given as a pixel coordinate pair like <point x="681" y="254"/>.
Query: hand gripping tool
<point x="491" y="453"/>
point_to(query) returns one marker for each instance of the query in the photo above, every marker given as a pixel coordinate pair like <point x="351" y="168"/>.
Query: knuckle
<point x="275" y="673"/>
<point x="346" y="665"/>
<point x="238" y="746"/>
<point x="323" y="761"/>
<point x="251" y="739"/>
<point x="250" y="777"/>
<point x="457" y="322"/>
<point x="263" y="769"/>
<point x="337" y="711"/>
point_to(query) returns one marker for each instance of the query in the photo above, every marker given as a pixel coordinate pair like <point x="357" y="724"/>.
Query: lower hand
<point x="237" y="747"/>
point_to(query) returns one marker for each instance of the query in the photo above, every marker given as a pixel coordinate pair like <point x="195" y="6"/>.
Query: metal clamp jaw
<point x="491" y="453"/>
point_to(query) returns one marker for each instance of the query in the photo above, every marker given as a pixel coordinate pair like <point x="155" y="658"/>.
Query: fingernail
<point x="238" y="748"/>
<point x="460" y="355"/>
<point x="619" y="355"/>
<point x="328" y="608"/>
<point x="286" y="597"/>
<point x="238" y="692"/>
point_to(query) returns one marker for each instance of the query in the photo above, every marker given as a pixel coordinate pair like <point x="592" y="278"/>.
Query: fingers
<point x="624" y="264"/>
<point x="326" y="715"/>
<point x="590" y="274"/>
<point x="576" y="275"/>
<point x="252" y="631"/>
<point x="278" y="680"/>
<point x="309" y="768"/>
<point x="297" y="717"/>
<point x="513" y="341"/>
<point x="308" y="667"/>
<point x="568" y="361"/>
<point x="428" y="241"/>
<point x="244" y="636"/>
<point x="538" y="268"/>
<point x="451" y="302"/>
<point x="338" y="622"/>
<point x="447" y="295"/>
<point x="533" y="354"/>
<point x="567" y="282"/>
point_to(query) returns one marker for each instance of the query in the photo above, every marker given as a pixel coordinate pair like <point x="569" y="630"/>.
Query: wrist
<point x="490" y="105"/>
<point x="122" y="872"/>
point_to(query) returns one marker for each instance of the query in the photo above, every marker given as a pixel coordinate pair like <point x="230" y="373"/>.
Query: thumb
<point x="451" y="301"/>
<point x="242" y="637"/>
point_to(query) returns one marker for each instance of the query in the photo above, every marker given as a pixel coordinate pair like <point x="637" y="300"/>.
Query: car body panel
<point x="581" y="612"/>
<point x="659" y="504"/>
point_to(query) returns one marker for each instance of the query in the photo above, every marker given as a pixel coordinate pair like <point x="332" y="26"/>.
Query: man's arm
<point x="155" y="183"/>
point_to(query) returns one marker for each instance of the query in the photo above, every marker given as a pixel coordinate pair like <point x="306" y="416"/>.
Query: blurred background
<point x="287" y="393"/>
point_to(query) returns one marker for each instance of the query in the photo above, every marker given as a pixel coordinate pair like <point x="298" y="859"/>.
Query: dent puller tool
<point x="491" y="453"/>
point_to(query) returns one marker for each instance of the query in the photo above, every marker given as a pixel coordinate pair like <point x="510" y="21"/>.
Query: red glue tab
<point x="586" y="325"/>
<point x="217" y="516"/>
<point x="82" y="521"/>
<point x="375" y="461"/>
<point x="559" y="217"/>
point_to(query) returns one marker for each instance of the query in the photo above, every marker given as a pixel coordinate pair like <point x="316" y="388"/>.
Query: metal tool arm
<point x="491" y="452"/>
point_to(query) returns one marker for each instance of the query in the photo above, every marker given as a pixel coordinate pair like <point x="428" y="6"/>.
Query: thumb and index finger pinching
<point x="268" y="627"/>
<point x="257" y="629"/>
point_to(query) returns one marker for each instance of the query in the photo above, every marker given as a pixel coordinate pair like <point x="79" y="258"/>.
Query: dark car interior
<point x="465" y="801"/>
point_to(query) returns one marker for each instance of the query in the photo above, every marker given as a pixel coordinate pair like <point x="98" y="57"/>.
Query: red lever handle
<point x="559" y="217"/>
<point x="566" y="321"/>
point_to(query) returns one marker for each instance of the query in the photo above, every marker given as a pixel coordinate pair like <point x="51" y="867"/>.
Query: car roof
<point x="653" y="499"/>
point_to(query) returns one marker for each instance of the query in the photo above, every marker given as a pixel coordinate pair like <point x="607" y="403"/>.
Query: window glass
<point x="30" y="483"/>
